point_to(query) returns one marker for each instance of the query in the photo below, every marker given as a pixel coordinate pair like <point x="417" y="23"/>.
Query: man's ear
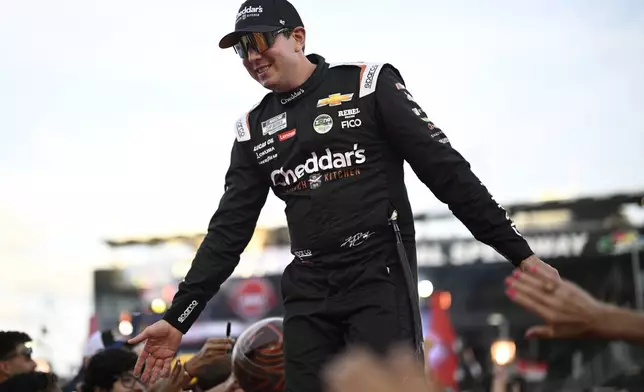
<point x="299" y="34"/>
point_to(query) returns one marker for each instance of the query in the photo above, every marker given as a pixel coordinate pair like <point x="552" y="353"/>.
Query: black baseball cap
<point x="262" y="16"/>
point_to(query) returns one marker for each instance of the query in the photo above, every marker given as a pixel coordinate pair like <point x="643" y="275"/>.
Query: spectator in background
<point x="211" y="367"/>
<point x="97" y="342"/>
<point x="15" y="356"/>
<point x="31" y="382"/>
<point x="111" y="371"/>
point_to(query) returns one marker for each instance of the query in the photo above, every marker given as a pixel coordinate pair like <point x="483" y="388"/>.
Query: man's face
<point x="18" y="362"/>
<point x="272" y="67"/>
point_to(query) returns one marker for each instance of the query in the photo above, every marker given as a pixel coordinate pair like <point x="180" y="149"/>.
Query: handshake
<point x="568" y="310"/>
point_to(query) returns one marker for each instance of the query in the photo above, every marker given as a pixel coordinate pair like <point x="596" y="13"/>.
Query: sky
<point x="116" y="117"/>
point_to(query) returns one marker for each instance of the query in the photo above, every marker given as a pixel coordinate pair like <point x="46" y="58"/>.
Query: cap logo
<point x="248" y="12"/>
<point x="282" y="22"/>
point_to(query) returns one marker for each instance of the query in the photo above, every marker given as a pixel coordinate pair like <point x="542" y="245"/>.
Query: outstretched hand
<point x="535" y="262"/>
<point x="568" y="310"/>
<point x="161" y="344"/>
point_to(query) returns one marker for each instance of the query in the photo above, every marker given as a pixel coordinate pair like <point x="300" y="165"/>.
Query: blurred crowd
<point x="226" y="365"/>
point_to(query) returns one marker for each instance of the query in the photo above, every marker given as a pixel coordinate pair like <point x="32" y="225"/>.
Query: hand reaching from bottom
<point x="175" y="382"/>
<point x="361" y="371"/>
<point x="229" y="385"/>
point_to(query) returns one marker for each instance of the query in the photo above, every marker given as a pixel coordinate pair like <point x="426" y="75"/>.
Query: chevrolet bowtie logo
<point x="335" y="100"/>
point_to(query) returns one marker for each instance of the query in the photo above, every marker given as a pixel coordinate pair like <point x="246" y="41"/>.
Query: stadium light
<point x="425" y="289"/>
<point x="126" y="328"/>
<point x="158" y="306"/>
<point x="495" y="319"/>
<point x="503" y="352"/>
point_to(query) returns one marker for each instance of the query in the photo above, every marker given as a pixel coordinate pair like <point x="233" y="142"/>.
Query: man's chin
<point x="268" y="83"/>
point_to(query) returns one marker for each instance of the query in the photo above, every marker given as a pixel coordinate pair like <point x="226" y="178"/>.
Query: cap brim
<point x="232" y="39"/>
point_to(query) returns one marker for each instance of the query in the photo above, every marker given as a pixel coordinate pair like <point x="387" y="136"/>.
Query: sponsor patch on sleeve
<point x="369" y="78"/>
<point x="242" y="129"/>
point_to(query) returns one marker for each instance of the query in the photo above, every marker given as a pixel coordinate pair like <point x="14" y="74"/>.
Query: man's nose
<point x="253" y="55"/>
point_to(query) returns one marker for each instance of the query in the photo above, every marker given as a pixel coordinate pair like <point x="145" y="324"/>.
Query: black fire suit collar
<point x="290" y="97"/>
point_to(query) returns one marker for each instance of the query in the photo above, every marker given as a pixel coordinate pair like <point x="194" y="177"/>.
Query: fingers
<point x="156" y="369"/>
<point x="139" y="338"/>
<point x="530" y="298"/>
<point x="144" y="354"/>
<point x="218" y="341"/>
<point x="177" y="375"/>
<point x="533" y="284"/>
<point x="175" y="371"/>
<point x="149" y="365"/>
<point x="540" y="331"/>
<point x="534" y="264"/>
<point x="544" y="272"/>
<point x="166" y="367"/>
<point x="218" y="346"/>
<point x="359" y="371"/>
<point x="541" y="290"/>
<point x="407" y="369"/>
<point x="139" y="363"/>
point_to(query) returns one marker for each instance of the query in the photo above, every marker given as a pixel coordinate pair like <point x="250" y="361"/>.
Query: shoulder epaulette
<point x="242" y="125"/>
<point x="368" y="75"/>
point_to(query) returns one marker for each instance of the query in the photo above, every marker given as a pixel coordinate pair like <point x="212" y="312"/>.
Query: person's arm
<point x="230" y="230"/>
<point x="443" y="169"/>
<point x="620" y="324"/>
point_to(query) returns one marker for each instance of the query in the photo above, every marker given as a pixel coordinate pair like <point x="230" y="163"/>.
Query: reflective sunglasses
<point x="25" y="352"/>
<point x="259" y="42"/>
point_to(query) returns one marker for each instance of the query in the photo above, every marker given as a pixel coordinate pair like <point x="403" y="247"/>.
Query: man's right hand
<point x="161" y="344"/>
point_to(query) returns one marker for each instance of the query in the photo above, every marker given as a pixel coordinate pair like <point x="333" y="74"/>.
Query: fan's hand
<point x="215" y="349"/>
<point x="568" y="310"/>
<point x="535" y="262"/>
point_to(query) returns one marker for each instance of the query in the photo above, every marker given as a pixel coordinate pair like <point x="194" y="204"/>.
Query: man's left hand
<point x="535" y="262"/>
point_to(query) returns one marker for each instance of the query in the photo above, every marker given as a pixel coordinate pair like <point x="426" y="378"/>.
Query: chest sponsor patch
<point x="323" y="123"/>
<point x="286" y="135"/>
<point x="274" y="124"/>
<point x="334" y="100"/>
<point x="348" y="113"/>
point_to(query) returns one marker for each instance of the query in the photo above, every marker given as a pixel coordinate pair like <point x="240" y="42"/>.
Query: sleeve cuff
<point x="183" y="314"/>
<point x="518" y="252"/>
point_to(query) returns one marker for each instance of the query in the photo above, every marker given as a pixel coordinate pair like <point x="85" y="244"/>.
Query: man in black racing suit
<point x="332" y="147"/>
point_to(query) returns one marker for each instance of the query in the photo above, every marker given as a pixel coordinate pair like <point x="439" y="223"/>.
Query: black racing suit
<point x="333" y="150"/>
